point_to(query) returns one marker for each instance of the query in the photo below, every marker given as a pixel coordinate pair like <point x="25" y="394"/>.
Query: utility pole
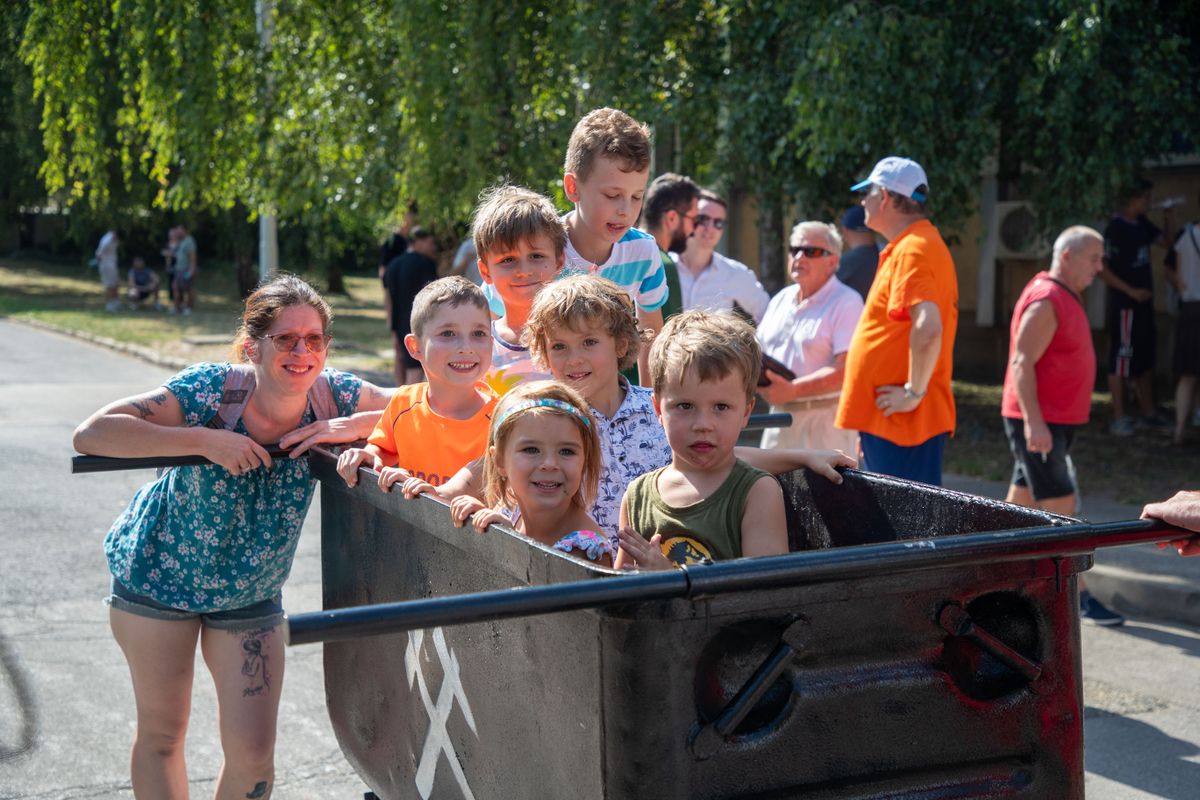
<point x="268" y="233"/>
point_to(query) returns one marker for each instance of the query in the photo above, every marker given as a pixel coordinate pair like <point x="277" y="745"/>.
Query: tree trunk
<point x="334" y="277"/>
<point x="770" y="244"/>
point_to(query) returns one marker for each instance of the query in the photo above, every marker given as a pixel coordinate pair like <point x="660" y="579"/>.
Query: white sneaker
<point x="187" y="312"/>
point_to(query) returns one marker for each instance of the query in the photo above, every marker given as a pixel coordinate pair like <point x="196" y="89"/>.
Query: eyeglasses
<point x="286" y="342"/>
<point x="808" y="252"/>
<point x="692" y="218"/>
<point x="704" y="219"/>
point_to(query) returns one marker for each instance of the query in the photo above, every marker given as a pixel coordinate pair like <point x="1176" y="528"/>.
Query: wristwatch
<point x="910" y="393"/>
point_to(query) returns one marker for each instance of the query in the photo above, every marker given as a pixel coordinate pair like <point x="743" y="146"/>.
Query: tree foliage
<point x="358" y="106"/>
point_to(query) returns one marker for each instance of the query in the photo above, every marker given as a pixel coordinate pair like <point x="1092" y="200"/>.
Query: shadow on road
<point x="1186" y="644"/>
<point x="13" y="677"/>
<point x="1166" y="773"/>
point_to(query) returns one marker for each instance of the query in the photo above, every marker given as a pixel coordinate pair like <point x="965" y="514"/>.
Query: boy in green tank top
<point x="707" y="504"/>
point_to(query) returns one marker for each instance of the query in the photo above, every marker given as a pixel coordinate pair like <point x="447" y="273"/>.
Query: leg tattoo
<point x="255" y="666"/>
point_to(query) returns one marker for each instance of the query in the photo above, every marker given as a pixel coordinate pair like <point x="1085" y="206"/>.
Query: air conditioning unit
<point x="1016" y="229"/>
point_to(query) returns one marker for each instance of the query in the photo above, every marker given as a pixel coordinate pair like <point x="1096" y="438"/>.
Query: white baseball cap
<point x="899" y="175"/>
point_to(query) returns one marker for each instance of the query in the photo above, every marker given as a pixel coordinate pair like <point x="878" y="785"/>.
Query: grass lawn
<point x="70" y="296"/>
<point x="1134" y="470"/>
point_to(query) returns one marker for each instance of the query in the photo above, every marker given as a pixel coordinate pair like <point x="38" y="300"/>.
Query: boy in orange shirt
<point x="431" y="430"/>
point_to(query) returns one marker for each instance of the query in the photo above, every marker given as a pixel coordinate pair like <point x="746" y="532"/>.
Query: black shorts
<point x="1054" y="477"/>
<point x="1132" y="340"/>
<point x="1187" y="339"/>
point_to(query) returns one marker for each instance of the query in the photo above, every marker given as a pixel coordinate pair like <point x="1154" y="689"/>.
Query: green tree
<point x="359" y="106"/>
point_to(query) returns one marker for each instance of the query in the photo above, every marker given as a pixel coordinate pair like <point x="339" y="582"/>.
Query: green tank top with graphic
<point x="710" y="529"/>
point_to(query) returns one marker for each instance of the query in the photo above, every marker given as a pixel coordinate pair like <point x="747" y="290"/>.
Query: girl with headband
<point x="543" y="458"/>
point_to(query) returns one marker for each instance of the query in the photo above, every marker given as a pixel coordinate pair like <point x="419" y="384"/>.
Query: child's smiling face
<point x="518" y="273"/>
<point x="455" y="345"/>
<point x="586" y="359"/>
<point x="542" y="461"/>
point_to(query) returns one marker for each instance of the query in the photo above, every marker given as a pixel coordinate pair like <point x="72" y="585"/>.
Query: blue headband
<point x="544" y="402"/>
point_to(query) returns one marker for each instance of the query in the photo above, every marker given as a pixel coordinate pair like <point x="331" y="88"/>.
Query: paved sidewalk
<point x="1138" y="580"/>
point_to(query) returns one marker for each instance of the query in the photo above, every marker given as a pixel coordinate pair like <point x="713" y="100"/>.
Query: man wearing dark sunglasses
<point x="713" y="281"/>
<point x="808" y="328"/>
<point x="897" y="389"/>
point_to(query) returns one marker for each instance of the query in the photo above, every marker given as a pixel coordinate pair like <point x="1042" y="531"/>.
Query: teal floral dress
<point x="200" y="539"/>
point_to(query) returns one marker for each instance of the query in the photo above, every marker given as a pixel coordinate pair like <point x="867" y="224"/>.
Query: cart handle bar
<point x="85" y="464"/>
<point x="738" y="575"/>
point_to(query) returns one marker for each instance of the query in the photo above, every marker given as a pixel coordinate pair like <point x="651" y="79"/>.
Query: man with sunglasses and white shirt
<point x="807" y="328"/>
<point x="709" y="280"/>
<point x="897" y="388"/>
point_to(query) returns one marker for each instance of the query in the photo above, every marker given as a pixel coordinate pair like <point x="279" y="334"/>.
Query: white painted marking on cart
<point x="921" y="544"/>
<point x="437" y="739"/>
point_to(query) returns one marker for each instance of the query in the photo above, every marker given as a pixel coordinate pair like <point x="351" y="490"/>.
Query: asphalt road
<point x="66" y="708"/>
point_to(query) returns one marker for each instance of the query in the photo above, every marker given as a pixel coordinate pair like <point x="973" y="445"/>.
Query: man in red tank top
<point x="1048" y="383"/>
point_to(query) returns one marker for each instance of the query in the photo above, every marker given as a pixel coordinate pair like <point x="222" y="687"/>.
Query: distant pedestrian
<point x="466" y="262"/>
<point x="1183" y="270"/>
<point x="1131" y="327"/>
<point x="406" y="275"/>
<point x="106" y="263"/>
<point x="860" y="253"/>
<point x="1048" y="385"/>
<point x="143" y="285"/>
<point x="709" y="280"/>
<point x="397" y="242"/>
<point x="186" y="266"/>
<point x="897" y="390"/>
<point x="168" y="254"/>
<point x="808" y="328"/>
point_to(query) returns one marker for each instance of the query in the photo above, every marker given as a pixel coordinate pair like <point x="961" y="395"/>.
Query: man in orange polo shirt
<point x="897" y="386"/>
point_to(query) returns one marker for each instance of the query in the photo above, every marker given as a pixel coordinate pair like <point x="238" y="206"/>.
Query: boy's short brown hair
<point x="611" y="133"/>
<point x="577" y="301"/>
<point x="452" y="291"/>
<point x="711" y="343"/>
<point x="508" y="215"/>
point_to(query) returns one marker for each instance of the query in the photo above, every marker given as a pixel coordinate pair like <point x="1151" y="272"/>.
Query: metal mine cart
<point x="919" y="643"/>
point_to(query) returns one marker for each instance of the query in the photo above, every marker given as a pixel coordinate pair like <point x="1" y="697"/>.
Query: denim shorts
<point x="264" y="614"/>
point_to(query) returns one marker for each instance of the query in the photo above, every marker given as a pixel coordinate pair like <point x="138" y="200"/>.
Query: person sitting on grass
<point x="143" y="285"/>
<point x="430" y="430"/>
<point x="707" y="504"/>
